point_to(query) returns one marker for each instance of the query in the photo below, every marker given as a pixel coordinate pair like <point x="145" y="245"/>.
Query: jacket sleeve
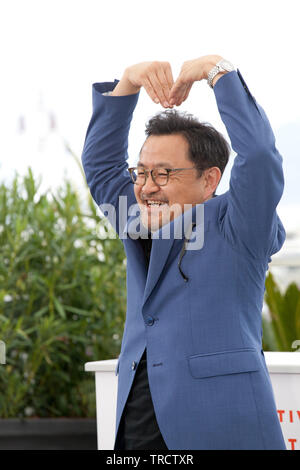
<point x="249" y="219"/>
<point x="104" y="156"/>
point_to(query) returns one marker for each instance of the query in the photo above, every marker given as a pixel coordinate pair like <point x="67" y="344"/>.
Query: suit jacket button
<point x="149" y="321"/>
<point x="133" y="365"/>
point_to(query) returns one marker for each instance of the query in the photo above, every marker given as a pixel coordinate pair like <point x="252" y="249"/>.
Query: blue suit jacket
<point x="207" y="373"/>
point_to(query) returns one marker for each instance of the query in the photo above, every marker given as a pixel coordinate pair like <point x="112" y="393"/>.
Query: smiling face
<point x="183" y="187"/>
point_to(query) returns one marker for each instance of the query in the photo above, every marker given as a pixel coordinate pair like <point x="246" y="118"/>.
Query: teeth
<point x="154" y="203"/>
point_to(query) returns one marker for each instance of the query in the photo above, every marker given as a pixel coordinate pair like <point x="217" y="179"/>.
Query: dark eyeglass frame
<point x="168" y="170"/>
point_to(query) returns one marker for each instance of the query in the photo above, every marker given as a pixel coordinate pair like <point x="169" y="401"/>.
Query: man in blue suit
<point x="192" y="373"/>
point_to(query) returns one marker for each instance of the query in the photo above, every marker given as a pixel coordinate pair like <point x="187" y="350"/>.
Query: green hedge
<point x="281" y="330"/>
<point x="62" y="299"/>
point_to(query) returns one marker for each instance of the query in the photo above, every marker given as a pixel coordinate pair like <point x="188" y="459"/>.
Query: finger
<point x="187" y="92"/>
<point x="150" y="90"/>
<point x="155" y="83"/>
<point x="181" y="95"/>
<point x="161" y="77"/>
<point x="177" y="89"/>
<point x="170" y="79"/>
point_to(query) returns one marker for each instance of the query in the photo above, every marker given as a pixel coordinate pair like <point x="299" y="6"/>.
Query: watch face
<point x="226" y="65"/>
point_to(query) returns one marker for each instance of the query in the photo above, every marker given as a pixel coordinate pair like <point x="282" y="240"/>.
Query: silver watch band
<point x="222" y="66"/>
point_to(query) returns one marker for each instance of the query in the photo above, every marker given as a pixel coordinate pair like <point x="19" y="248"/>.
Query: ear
<point x="212" y="178"/>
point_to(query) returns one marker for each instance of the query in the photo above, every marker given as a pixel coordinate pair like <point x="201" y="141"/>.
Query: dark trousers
<point x="138" y="429"/>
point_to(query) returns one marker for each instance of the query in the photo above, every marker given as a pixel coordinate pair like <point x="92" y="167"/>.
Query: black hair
<point x="207" y="146"/>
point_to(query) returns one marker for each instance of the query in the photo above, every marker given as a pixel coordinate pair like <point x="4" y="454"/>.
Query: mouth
<point x="153" y="204"/>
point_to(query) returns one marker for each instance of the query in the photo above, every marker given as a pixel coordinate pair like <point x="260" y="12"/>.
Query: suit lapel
<point x="162" y="244"/>
<point x="159" y="253"/>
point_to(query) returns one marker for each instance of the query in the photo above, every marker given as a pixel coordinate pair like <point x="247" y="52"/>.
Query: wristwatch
<point x="222" y="66"/>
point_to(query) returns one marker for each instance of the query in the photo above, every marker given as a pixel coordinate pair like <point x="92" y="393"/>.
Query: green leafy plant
<point x="283" y="327"/>
<point x="62" y="299"/>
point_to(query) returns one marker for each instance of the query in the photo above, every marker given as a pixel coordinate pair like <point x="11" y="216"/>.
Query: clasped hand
<point x="157" y="78"/>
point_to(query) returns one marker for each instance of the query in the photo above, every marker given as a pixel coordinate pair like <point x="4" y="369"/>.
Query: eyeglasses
<point x="160" y="176"/>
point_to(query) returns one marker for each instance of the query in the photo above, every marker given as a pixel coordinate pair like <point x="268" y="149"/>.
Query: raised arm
<point x="104" y="156"/>
<point x="250" y="220"/>
<point x="248" y="217"/>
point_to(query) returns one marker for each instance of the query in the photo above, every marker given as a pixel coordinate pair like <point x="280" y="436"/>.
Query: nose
<point x="150" y="186"/>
